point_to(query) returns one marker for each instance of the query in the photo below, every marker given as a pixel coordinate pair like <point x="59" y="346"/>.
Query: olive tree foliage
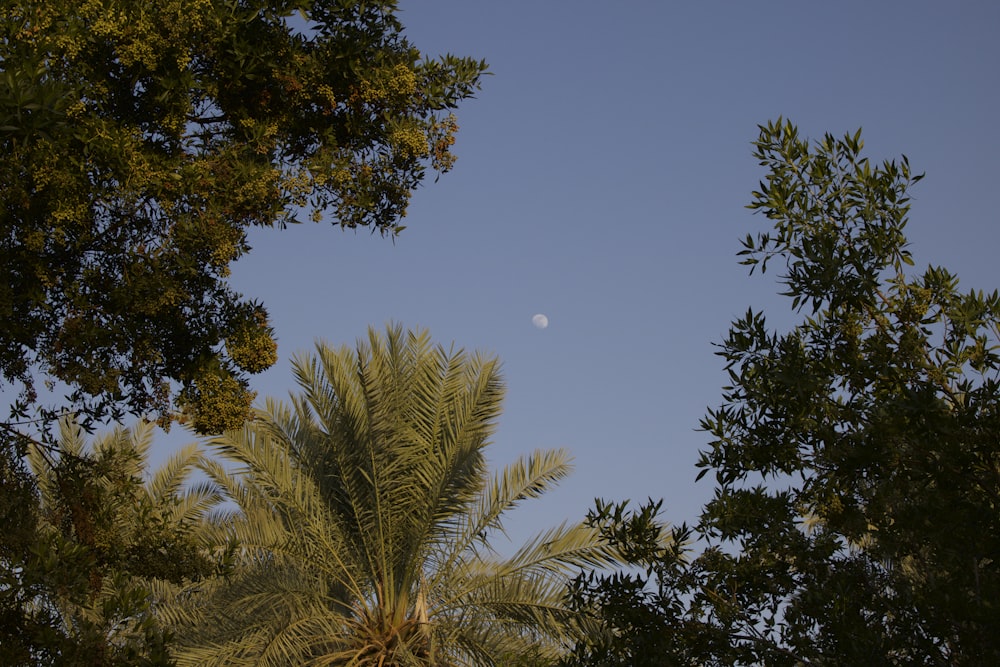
<point x="856" y="518"/>
<point x="140" y="140"/>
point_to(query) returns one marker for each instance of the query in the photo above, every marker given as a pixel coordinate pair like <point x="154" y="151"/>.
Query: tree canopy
<point x="856" y="518"/>
<point x="366" y="519"/>
<point x="138" y="143"/>
<point x="76" y="581"/>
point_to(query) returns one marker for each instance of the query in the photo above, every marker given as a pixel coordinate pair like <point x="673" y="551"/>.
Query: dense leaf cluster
<point x="140" y="140"/>
<point x="89" y="538"/>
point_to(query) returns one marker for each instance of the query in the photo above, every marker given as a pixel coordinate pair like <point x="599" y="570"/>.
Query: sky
<point x="602" y="176"/>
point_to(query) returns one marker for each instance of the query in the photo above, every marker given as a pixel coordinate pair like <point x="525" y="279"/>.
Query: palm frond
<point x="141" y="437"/>
<point x="72" y="437"/>
<point x="526" y="478"/>
<point x="169" y="478"/>
<point x="363" y="516"/>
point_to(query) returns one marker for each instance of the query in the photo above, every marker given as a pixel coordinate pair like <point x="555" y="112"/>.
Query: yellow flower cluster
<point x="76" y="109"/>
<point x="402" y="82"/>
<point x="217" y="402"/>
<point x="298" y="185"/>
<point x="442" y="134"/>
<point x="398" y="84"/>
<point x="325" y="93"/>
<point x="43" y="174"/>
<point x="252" y="348"/>
<point x="69" y="212"/>
<point x="34" y="240"/>
<point x="262" y="185"/>
<point x="140" y="36"/>
<point x="410" y="142"/>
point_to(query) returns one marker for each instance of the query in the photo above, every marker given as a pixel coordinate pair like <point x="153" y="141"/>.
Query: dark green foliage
<point x="642" y="616"/>
<point x="883" y="407"/>
<point x="856" y="456"/>
<point x="140" y="140"/>
<point x="90" y="538"/>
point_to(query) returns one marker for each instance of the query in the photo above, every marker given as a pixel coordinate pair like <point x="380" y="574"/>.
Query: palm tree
<point x="108" y="533"/>
<point x="364" y="511"/>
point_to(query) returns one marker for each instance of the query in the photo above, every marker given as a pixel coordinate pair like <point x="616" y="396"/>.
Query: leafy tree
<point x="639" y="609"/>
<point x="857" y="455"/>
<point x="365" y="518"/>
<point x="138" y="143"/>
<point x="78" y="591"/>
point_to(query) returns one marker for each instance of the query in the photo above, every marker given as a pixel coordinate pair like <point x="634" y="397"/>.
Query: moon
<point x="540" y="321"/>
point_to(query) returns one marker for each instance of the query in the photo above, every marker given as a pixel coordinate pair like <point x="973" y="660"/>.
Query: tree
<point x="138" y="143"/>
<point x="365" y="518"/>
<point x="79" y="589"/>
<point x="857" y="455"/>
<point x="639" y="609"/>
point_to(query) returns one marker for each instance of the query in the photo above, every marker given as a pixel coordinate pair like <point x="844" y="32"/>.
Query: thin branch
<point x="206" y="120"/>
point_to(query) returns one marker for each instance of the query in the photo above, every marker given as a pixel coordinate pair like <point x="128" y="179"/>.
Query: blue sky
<point x="602" y="177"/>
